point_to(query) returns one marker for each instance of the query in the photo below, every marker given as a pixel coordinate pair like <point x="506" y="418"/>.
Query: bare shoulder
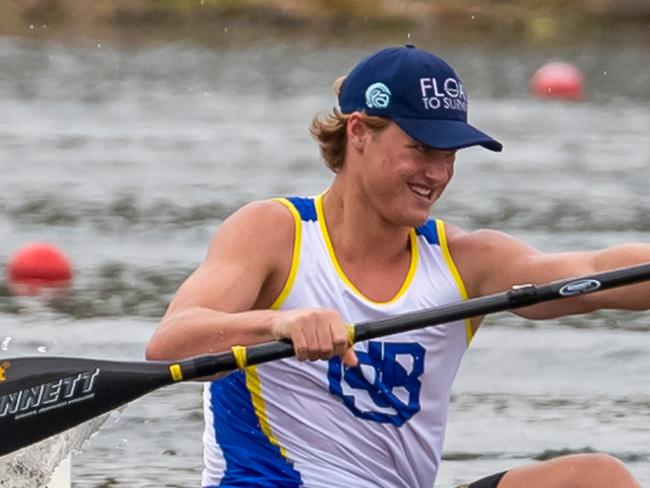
<point x="247" y="260"/>
<point x="256" y="242"/>
<point x="256" y="238"/>
<point x="485" y="257"/>
<point x="481" y="241"/>
<point x="265" y="225"/>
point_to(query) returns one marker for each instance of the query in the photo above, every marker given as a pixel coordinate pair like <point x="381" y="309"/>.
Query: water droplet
<point x="5" y="343"/>
<point x="99" y="45"/>
<point x="41" y="349"/>
<point x="31" y="26"/>
<point x="605" y="72"/>
<point x="408" y="36"/>
<point x="225" y="29"/>
<point x="473" y="17"/>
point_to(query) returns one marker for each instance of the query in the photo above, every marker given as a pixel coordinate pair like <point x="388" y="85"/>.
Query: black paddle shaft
<point x="42" y="396"/>
<point x="517" y="297"/>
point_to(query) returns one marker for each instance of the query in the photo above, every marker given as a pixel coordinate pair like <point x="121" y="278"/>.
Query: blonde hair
<point x="330" y="131"/>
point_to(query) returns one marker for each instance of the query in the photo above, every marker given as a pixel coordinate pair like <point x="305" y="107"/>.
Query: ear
<point x="357" y="132"/>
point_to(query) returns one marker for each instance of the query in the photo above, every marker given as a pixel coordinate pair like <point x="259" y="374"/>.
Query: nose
<point x="440" y="165"/>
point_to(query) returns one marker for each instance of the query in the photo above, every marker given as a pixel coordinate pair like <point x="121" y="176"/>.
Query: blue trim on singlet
<point x="306" y="208"/>
<point x="429" y="231"/>
<point x="251" y="459"/>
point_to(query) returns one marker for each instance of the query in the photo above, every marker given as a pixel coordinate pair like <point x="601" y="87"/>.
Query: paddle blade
<point x="42" y="396"/>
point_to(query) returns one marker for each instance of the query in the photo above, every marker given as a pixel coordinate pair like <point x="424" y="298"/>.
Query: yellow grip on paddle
<point x="240" y="356"/>
<point x="351" y="334"/>
<point x="176" y="372"/>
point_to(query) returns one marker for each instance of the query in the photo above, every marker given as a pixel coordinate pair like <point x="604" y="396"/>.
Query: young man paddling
<point x="301" y="268"/>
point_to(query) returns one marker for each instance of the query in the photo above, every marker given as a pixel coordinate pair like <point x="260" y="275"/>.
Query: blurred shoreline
<point x="331" y="21"/>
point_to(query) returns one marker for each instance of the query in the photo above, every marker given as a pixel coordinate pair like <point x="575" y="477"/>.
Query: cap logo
<point x="447" y="94"/>
<point x="377" y="96"/>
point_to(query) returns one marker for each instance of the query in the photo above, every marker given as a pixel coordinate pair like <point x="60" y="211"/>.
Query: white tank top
<point x="320" y="424"/>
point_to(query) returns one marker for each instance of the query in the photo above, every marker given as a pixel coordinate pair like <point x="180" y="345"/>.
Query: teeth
<point x="421" y="190"/>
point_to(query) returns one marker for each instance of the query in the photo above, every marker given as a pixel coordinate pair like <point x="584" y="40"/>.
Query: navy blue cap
<point x="418" y="91"/>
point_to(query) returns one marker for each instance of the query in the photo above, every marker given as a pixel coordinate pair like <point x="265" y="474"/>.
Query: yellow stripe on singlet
<point x="442" y="237"/>
<point x="295" y="259"/>
<point x="254" y="387"/>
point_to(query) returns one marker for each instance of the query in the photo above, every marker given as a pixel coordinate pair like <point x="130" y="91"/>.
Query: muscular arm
<point x="213" y="308"/>
<point x="225" y="301"/>
<point x="491" y="262"/>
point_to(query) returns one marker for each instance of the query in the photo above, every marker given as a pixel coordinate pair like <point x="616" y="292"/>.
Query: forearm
<point x="633" y="297"/>
<point x="196" y="331"/>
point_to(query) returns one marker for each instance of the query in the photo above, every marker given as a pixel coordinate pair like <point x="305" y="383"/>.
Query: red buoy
<point x="558" y="80"/>
<point x="39" y="265"/>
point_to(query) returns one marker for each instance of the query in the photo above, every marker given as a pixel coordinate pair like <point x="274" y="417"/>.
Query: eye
<point x="421" y="148"/>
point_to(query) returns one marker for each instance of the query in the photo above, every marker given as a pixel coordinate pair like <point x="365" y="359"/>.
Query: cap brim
<point x="447" y="134"/>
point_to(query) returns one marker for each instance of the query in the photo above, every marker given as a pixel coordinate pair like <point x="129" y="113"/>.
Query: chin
<point x="420" y="222"/>
<point x="415" y="218"/>
<point x="408" y="213"/>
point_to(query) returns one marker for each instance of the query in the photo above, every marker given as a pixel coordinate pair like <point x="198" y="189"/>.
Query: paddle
<point x="42" y="396"/>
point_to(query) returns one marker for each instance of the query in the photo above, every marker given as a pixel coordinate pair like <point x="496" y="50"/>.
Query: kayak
<point x="61" y="476"/>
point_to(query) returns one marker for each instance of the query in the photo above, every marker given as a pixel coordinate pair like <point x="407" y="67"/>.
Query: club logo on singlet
<point x="385" y="387"/>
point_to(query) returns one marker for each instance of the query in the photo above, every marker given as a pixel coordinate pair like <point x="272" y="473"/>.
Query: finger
<point x="340" y="339"/>
<point x="350" y="358"/>
<point x="311" y="341"/>
<point x="300" y="345"/>
<point x="325" y="343"/>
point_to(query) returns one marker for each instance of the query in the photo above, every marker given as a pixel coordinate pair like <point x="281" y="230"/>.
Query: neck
<point x="358" y="232"/>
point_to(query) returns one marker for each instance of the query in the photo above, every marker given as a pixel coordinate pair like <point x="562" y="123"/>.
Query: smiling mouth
<point x="421" y="191"/>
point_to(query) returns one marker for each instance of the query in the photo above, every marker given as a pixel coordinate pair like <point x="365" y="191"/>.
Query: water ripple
<point x="116" y="290"/>
<point x="625" y="456"/>
<point x="123" y="211"/>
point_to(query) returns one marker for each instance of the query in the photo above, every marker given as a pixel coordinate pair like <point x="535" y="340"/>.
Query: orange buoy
<point x="39" y="265"/>
<point x="558" y="80"/>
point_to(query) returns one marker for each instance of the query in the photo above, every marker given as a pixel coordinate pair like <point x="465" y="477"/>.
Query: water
<point x="129" y="158"/>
